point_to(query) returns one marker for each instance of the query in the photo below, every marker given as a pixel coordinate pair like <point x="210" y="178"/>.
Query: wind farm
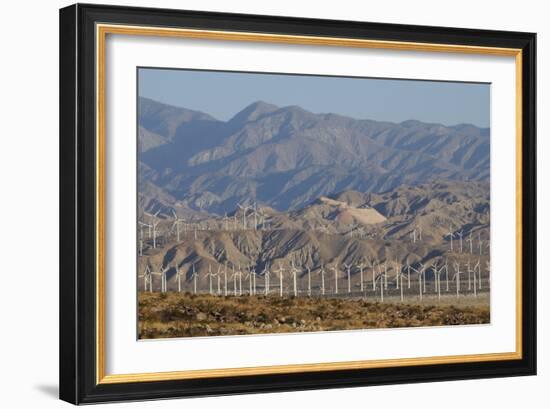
<point x="284" y="220"/>
<point x="267" y="259"/>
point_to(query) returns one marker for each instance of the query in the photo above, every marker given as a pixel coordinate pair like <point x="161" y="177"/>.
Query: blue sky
<point x="223" y="94"/>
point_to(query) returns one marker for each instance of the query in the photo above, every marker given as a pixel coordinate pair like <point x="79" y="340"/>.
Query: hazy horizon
<point x="224" y="94"/>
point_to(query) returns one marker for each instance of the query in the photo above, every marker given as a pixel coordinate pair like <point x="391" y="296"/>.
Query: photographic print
<point x="284" y="203"/>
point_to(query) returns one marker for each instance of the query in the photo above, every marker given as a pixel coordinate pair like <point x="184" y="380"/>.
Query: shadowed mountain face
<point x="287" y="157"/>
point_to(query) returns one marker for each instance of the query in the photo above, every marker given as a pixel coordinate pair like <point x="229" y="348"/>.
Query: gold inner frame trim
<point x="101" y="33"/>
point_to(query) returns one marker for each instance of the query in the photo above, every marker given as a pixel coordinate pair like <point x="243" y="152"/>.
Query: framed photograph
<point x="258" y="203"/>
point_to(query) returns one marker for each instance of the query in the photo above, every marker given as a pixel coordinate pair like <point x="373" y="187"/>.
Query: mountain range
<point x="287" y="158"/>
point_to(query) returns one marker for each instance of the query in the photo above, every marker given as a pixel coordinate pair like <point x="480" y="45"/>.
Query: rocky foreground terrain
<point x="171" y="315"/>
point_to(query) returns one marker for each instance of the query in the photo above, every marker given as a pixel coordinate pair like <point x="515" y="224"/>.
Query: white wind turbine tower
<point x="266" y="278"/>
<point x="322" y="272"/>
<point x="280" y="271"/>
<point x="413" y="235"/>
<point x="451" y="236"/>
<point x="210" y="279"/>
<point x="469" y="275"/>
<point x="226" y="221"/>
<point x="348" y="270"/>
<point x="421" y="277"/>
<point x="255" y="216"/>
<point x="234" y="276"/>
<point x="244" y="209"/>
<point x="480" y="243"/>
<point x="147" y="279"/>
<point x="437" y="277"/>
<point x="460" y="233"/>
<point x="308" y="281"/>
<point x="218" y="275"/>
<point x="294" y="270"/>
<point x="253" y="272"/>
<point x="250" y="280"/>
<point x="335" y="269"/>
<point x="420" y="233"/>
<point x="154" y="224"/>
<point x="385" y="275"/>
<point x="477" y="267"/>
<point x="240" y="272"/>
<point x="471" y="241"/>
<point x="397" y="267"/>
<point x="423" y="272"/>
<point x="374" y="274"/>
<point x="475" y="286"/>
<point x="179" y="274"/>
<point x="399" y="280"/>
<point x="446" y="268"/>
<point x="162" y="275"/>
<point x="225" y="279"/>
<point x="457" y="278"/>
<point x="176" y="223"/>
<point x="194" y="276"/>
<point x="381" y="278"/>
<point x="361" y="267"/>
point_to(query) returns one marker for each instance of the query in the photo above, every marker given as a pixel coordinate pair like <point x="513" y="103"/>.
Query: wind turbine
<point x="478" y="268"/>
<point x="348" y="269"/>
<point x="397" y="273"/>
<point x="399" y="278"/>
<point x="380" y="278"/>
<point x="335" y="269"/>
<point x="469" y="275"/>
<point x="480" y="243"/>
<point x="437" y="277"/>
<point x="451" y="236"/>
<point x="322" y="272"/>
<point x="361" y="267"/>
<point x="194" y="276"/>
<point x="234" y="276"/>
<point x="308" y="281"/>
<point x="240" y="273"/>
<point x="280" y="271"/>
<point x="255" y="216"/>
<point x="244" y="209"/>
<point x="460" y="233"/>
<point x="421" y="277"/>
<point x="253" y="272"/>
<point x="413" y="235"/>
<point x="294" y="270"/>
<point x="218" y="275"/>
<point x="225" y="279"/>
<point x="374" y="274"/>
<point x="162" y="275"/>
<point x="471" y="241"/>
<point x="210" y="279"/>
<point x="155" y="224"/>
<point x="457" y="277"/>
<point x="266" y="278"/>
<point x="147" y="279"/>
<point x="179" y="274"/>
<point x="176" y="224"/>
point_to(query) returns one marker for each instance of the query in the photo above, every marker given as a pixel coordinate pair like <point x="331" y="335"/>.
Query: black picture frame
<point x="78" y="359"/>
